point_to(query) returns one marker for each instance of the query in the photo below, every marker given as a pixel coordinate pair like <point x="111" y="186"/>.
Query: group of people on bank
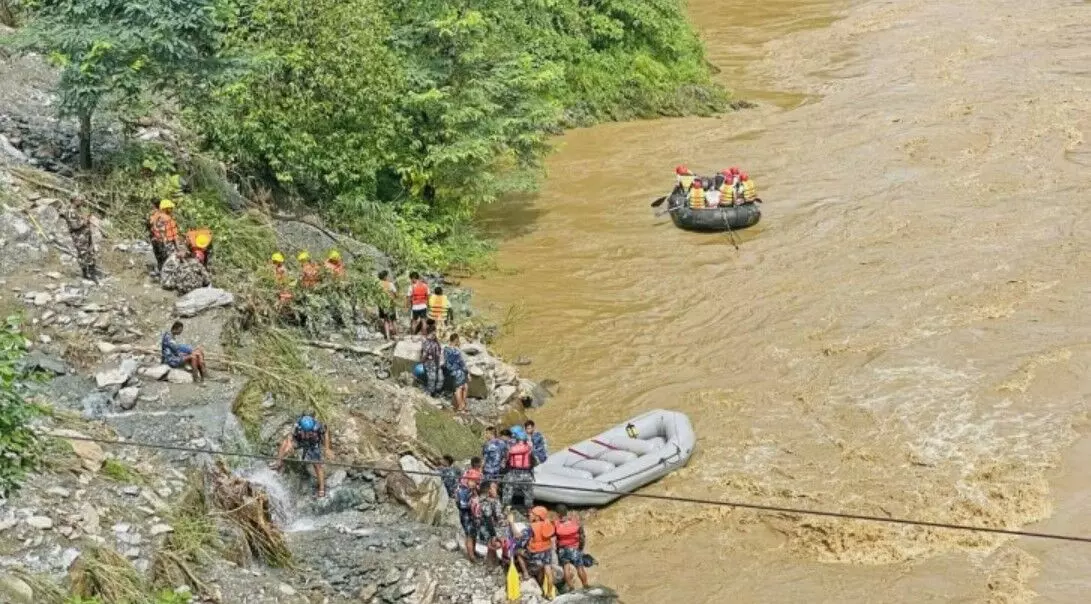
<point x="484" y="494"/>
<point x="728" y="187"/>
<point x="181" y="261"/>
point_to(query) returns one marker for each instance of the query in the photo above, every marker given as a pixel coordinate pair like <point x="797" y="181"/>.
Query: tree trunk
<point x="7" y="16"/>
<point x="85" y="140"/>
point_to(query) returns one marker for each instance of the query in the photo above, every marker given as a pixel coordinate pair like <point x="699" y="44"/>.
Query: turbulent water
<point x="904" y="333"/>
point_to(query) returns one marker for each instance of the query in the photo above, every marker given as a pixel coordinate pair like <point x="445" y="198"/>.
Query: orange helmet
<point x="744" y="177"/>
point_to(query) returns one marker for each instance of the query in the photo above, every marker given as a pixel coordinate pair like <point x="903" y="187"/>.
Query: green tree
<point x="120" y="52"/>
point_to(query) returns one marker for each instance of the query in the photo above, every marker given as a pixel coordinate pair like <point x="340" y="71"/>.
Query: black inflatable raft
<point x="713" y="219"/>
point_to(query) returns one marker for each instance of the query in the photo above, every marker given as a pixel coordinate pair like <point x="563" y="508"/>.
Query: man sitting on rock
<point x="313" y="440"/>
<point x="178" y="355"/>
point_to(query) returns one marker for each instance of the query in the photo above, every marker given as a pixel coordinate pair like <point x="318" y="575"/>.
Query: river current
<point x="905" y="333"/>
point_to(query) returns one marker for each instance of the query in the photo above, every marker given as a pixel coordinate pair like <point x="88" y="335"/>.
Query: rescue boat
<point x="712" y="219"/>
<point x="618" y="461"/>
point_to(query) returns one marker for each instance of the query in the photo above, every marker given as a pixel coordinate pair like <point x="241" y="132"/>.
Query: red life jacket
<point x="519" y="456"/>
<point x="419" y="294"/>
<point x="568" y="533"/>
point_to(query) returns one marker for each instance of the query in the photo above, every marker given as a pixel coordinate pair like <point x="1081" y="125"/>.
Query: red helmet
<point x="725" y="172"/>
<point x="734" y="170"/>
<point x="680" y="170"/>
<point x="744" y="177"/>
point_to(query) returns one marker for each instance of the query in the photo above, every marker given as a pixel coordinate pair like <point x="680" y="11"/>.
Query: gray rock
<point x="126" y="397"/>
<point x="593" y="595"/>
<point x="502" y="395"/>
<point x="131" y="490"/>
<point x="132" y="553"/>
<point x="42" y="298"/>
<point x="450" y="545"/>
<point x="406" y="355"/>
<point x="202" y="299"/>
<point x="534" y="395"/>
<point x="285" y="590"/>
<point x="90" y="453"/>
<point x="157" y="372"/>
<point x="68" y="557"/>
<point x="336" y="478"/>
<point x="94" y="405"/>
<point x="160" y="529"/>
<point x="43" y="362"/>
<point x="392" y="576"/>
<point x="118" y="376"/>
<point x="59" y="492"/>
<point x="368" y="592"/>
<point x="41" y="523"/>
<point x="15" y="590"/>
<point x="179" y="376"/>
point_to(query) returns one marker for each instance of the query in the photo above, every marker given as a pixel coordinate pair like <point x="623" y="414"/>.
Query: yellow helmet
<point x="333" y="255"/>
<point x="303" y="256"/>
<point x="166" y="204"/>
<point x="278" y="258"/>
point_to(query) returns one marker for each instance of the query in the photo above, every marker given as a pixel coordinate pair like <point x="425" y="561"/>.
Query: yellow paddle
<point x="514" y="593"/>
<point x="548" y="589"/>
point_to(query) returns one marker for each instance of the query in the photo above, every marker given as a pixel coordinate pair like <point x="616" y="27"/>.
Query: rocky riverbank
<point x="122" y="514"/>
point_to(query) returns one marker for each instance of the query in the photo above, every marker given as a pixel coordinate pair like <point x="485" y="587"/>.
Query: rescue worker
<point x="450" y="475"/>
<point x="309" y="272"/>
<point x="537" y="442"/>
<point x="200" y="244"/>
<point x="684" y="179"/>
<point x="416" y="302"/>
<point x="312" y="438"/>
<point x="571" y="540"/>
<point x="519" y="477"/>
<point x="439" y="308"/>
<point x="280" y="277"/>
<point x="164" y="229"/>
<point x="387" y="314"/>
<point x="335" y="265"/>
<point x="697" y="195"/>
<point x="712" y="195"/>
<point x="494" y="454"/>
<point x="431" y="356"/>
<point x="492" y="524"/>
<point x="466" y="499"/>
<point x="540" y="545"/>
<point x="79" y="227"/>
<point x="749" y="189"/>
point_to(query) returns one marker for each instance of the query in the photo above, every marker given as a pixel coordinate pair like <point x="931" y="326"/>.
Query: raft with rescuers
<point x="628" y="456"/>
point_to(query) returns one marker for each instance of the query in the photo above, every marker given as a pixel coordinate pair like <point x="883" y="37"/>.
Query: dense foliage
<point x="18" y="445"/>
<point x="400" y="118"/>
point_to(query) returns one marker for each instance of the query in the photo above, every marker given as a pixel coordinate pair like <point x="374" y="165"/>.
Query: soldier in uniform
<point x="79" y="226"/>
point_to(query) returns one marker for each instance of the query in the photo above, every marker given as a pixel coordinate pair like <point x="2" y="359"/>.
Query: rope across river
<point x="675" y="498"/>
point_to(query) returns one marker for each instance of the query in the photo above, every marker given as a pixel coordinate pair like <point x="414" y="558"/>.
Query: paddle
<point x="659" y="201"/>
<point x="731" y="232"/>
<point x="667" y="211"/>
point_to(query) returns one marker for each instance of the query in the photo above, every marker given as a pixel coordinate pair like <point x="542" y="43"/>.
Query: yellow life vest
<point x="749" y="191"/>
<point x="696" y="198"/>
<point x="686" y="180"/>
<point x="438" y="307"/>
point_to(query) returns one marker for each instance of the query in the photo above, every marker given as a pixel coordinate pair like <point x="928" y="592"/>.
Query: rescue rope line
<point x="675" y="498"/>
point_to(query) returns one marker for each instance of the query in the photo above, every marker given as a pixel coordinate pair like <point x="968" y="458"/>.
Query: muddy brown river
<point x="905" y="333"/>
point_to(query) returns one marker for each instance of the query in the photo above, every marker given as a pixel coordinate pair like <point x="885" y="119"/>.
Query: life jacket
<point x="308" y="437"/>
<point x="475" y="507"/>
<point x="568" y="533"/>
<point x="437" y="307"/>
<point x="418" y="295"/>
<point x="153" y="225"/>
<point x="541" y="535"/>
<point x="337" y="268"/>
<point x="696" y="198"/>
<point x="686" y="180"/>
<point x="519" y="456"/>
<point x="749" y="191"/>
<point x="309" y="275"/>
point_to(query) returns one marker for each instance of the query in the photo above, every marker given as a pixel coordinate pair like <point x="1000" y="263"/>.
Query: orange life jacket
<point x="418" y="295"/>
<point x="153" y="225"/>
<point x="336" y="268"/>
<point x="541" y="535"/>
<point x="280" y="275"/>
<point x="568" y="533"/>
<point x="519" y="456"/>
<point x="309" y="275"/>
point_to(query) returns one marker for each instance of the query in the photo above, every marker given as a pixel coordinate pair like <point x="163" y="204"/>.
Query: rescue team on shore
<point x="729" y="187"/>
<point x="485" y="512"/>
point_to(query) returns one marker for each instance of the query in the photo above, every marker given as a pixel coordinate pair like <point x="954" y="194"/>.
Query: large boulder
<point x="406" y="355"/>
<point x="424" y="494"/>
<point x="117" y="376"/>
<point x="202" y="299"/>
<point x="477" y="386"/>
<point x="15" y="590"/>
<point x="90" y="453"/>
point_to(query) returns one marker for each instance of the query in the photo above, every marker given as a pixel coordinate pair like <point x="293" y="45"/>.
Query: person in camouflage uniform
<point x="519" y="478"/>
<point x="494" y="454"/>
<point x="79" y="226"/>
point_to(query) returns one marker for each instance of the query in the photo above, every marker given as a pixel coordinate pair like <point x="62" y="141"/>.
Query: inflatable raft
<point x="713" y="219"/>
<point x="618" y="461"/>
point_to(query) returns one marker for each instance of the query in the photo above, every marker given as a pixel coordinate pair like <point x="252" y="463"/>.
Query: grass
<point x="193" y="542"/>
<point x="448" y="437"/>
<point x="105" y="574"/>
<point x="119" y="471"/>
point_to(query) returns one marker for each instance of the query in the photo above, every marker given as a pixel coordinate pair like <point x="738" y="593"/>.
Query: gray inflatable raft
<point x="613" y="463"/>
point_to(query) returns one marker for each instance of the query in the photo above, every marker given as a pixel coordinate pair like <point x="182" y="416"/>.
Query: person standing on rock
<point x="455" y="366"/>
<point x="79" y="227"/>
<point x="177" y="355"/>
<point x="431" y="356"/>
<point x="492" y="521"/>
<point x="537" y="442"/>
<point x="387" y="314"/>
<point x="469" y="510"/>
<point x="417" y="303"/>
<point x="520" y="476"/>
<point x="494" y="454"/>
<point x="312" y="438"/>
<point x="571" y="540"/>
<point x="164" y="230"/>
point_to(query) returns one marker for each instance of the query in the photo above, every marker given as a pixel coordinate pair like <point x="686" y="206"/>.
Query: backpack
<point x="463" y="497"/>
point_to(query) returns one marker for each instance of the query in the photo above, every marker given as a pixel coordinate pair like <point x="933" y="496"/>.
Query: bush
<point x="19" y="447"/>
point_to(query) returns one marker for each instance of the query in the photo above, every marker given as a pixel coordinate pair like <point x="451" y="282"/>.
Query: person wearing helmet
<point x="469" y="510"/>
<point x="749" y="189"/>
<point x="334" y="265"/>
<point x="312" y="439"/>
<point x="494" y="454"/>
<point x="697" y="195"/>
<point x="571" y="540"/>
<point x="520" y="476"/>
<point x="280" y="277"/>
<point x="200" y="244"/>
<point x="309" y="271"/>
<point x="683" y="179"/>
<point x="164" y="232"/>
<point x="540" y="545"/>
